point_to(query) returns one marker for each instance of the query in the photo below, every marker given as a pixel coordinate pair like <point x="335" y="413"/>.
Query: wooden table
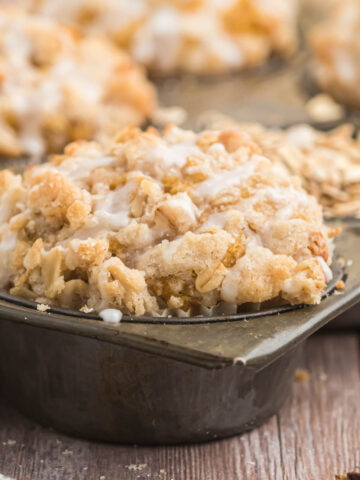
<point x="315" y="435"/>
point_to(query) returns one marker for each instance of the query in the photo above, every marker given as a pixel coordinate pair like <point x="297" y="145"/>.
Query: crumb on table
<point x="323" y="108"/>
<point x="42" y="307"/>
<point x="301" y="375"/>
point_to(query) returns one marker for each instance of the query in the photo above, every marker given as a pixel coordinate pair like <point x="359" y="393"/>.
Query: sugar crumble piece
<point x="86" y="309"/>
<point x="323" y="108"/>
<point x="9" y="442"/>
<point x="301" y="375"/>
<point x="67" y="452"/>
<point x="174" y="115"/>
<point x="42" y="307"/>
<point x="136" y="467"/>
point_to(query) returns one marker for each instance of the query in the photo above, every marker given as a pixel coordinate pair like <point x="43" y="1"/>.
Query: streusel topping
<point x="58" y="85"/>
<point x="161" y="221"/>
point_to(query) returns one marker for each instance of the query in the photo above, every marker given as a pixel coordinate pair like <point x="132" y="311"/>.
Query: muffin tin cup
<point x="100" y="391"/>
<point x="161" y="383"/>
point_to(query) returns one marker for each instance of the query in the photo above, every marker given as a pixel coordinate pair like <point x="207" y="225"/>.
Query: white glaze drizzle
<point x="111" y="315"/>
<point x="325" y="268"/>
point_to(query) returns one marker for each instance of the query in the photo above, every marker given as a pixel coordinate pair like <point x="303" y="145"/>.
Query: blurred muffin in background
<point x="202" y="36"/>
<point x="335" y="44"/>
<point x="57" y="85"/>
<point x="328" y="163"/>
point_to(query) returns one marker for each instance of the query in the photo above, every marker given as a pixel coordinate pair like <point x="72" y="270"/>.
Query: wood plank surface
<point x="315" y="435"/>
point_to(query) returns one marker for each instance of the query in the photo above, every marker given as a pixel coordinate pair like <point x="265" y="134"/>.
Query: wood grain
<point x="316" y="434"/>
<point x="320" y="427"/>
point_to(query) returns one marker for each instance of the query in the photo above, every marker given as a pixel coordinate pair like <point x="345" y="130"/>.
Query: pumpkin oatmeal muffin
<point x="156" y="222"/>
<point x="328" y="163"/>
<point x="202" y="36"/>
<point x="335" y="45"/>
<point x="57" y="85"/>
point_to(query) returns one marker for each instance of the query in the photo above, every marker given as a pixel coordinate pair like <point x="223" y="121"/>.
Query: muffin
<point x="335" y="45"/>
<point x="162" y="222"/>
<point x="328" y="163"/>
<point x="202" y="36"/>
<point x="57" y="85"/>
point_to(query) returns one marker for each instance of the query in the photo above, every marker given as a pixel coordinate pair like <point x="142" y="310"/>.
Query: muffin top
<point x="58" y="85"/>
<point x="162" y="221"/>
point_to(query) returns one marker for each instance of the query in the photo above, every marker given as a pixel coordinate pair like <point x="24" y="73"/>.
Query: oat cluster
<point x="158" y="222"/>
<point x="202" y="36"/>
<point x="335" y="45"/>
<point x="58" y="85"/>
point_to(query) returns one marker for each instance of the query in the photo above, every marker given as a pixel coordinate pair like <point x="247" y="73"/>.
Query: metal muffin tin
<point x="157" y="381"/>
<point x="153" y="383"/>
<point x="166" y="380"/>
